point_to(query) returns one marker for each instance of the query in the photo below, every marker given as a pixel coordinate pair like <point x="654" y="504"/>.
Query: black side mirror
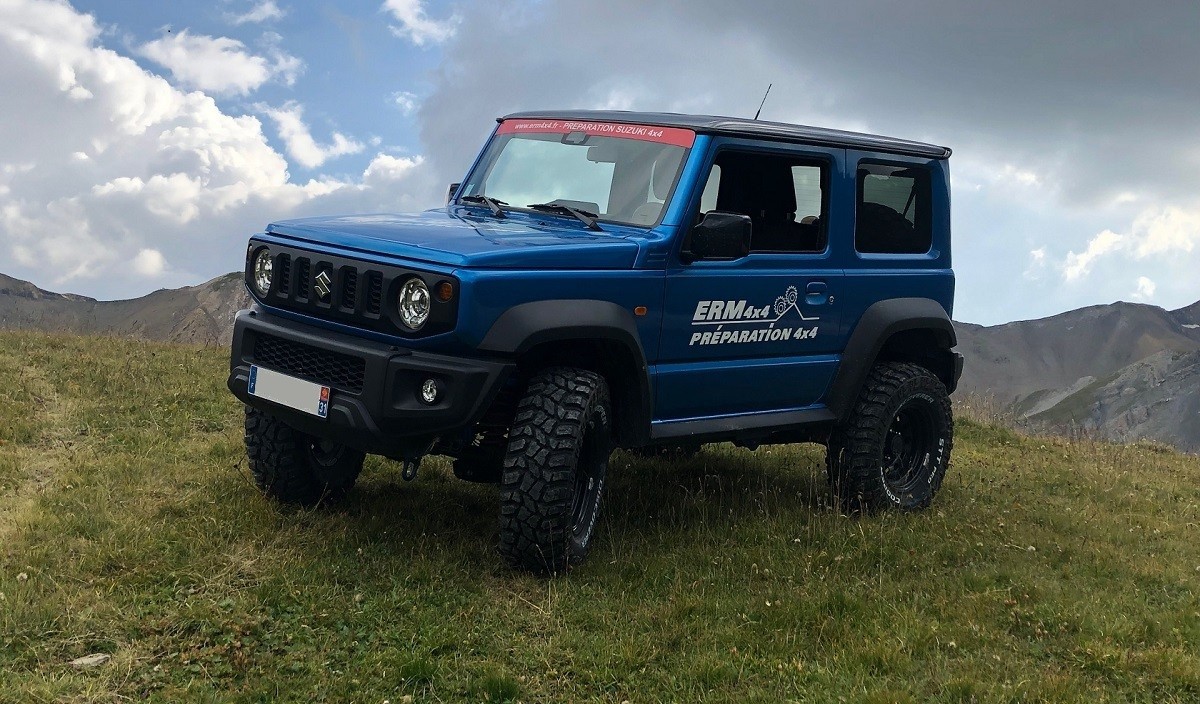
<point x="720" y="235"/>
<point x="453" y="190"/>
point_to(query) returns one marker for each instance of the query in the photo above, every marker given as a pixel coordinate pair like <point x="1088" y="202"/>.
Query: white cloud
<point x="385" y="167"/>
<point x="1037" y="264"/>
<point x="149" y="263"/>
<point x="416" y="26"/>
<point x="1155" y="232"/>
<point x="1145" y="289"/>
<point x="263" y="11"/>
<point x="219" y="65"/>
<point x="299" y="141"/>
<point x="1020" y="177"/>
<point x="1165" y="230"/>
<point x="141" y="183"/>
<point x="405" y="101"/>
<point x="1079" y="265"/>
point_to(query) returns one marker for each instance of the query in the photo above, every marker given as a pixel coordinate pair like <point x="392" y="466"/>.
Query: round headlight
<point x="263" y="271"/>
<point x="413" y="303"/>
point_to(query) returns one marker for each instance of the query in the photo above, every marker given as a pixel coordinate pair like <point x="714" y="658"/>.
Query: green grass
<point x="1046" y="571"/>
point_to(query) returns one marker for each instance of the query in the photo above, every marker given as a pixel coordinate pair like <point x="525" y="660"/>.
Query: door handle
<point x="814" y="293"/>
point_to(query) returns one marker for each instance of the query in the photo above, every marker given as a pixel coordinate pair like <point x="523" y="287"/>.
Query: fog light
<point x="431" y="391"/>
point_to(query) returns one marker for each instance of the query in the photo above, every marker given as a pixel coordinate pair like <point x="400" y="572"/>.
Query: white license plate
<point x="289" y="391"/>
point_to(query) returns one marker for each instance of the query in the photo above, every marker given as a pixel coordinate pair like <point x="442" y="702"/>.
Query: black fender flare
<point x="528" y="325"/>
<point x="877" y="324"/>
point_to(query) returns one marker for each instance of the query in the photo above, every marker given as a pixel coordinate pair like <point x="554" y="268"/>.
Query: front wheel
<point x="554" y="470"/>
<point x="894" y="448"/>
<point x="295" y="468"/>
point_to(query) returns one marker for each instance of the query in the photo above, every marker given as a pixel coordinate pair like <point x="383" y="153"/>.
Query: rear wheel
<point x="554" y="470"/>
<point x="295" y="468"/>
<point x="894" y="449"/>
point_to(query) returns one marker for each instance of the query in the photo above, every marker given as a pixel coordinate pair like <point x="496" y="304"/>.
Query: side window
<point x="806" y="181"/>
<point x="708" y="199"/>
<point x="785" y="198"/>
<point x="893" y="210"/>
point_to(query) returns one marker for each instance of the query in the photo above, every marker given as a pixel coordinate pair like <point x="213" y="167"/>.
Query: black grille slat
<point x="341" y="371"/>
<point x="374" y="292"/>
<point x="349" y="288"/>
<point x="302" y="275"/>
<point x="284" y="275"/>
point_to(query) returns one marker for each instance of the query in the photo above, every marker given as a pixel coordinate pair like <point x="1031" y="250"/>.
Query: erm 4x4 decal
<point x="761" y="326"/>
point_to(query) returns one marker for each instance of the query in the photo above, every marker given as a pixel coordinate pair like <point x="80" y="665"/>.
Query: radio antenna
<point x="764" y="101"/>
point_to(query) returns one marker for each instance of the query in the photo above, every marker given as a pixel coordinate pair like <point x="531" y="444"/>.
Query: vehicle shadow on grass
<point x="648" y="501"/>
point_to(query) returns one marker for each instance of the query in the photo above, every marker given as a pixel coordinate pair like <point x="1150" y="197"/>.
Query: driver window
<point x="708" y="199"/>
<point x="783" y="196"/>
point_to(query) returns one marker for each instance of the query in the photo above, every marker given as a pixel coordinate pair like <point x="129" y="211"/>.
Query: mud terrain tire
<point x="893" y="450"/>
<point x="294" y="468"/>
<point x="554" y="470"/>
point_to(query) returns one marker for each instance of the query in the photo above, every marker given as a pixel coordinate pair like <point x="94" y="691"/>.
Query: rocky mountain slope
<point x="1123" y="371"/>
<point x="198" y="314"/>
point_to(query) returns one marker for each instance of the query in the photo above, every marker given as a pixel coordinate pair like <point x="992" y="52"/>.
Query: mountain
<point x="196" y="314"/>
<point x="1123" y="371"/>
<point x="1152" y="399"/>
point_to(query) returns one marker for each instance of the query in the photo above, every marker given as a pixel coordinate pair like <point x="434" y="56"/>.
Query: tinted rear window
<point x="893" y="211"/>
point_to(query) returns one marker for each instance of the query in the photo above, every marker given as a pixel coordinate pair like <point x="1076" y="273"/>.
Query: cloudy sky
<point x="142" y="142"/>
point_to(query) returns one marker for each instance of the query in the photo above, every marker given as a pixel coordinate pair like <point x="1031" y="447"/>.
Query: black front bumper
<point x="373" y="403"/>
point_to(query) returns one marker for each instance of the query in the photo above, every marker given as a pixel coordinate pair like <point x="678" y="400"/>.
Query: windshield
<point x="617" y="172"/>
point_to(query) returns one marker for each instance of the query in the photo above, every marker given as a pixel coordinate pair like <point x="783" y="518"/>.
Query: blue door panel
<point x="759" y="334"/>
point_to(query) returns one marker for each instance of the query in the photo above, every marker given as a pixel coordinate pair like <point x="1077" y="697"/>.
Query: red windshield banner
<point x="676" y="136"/>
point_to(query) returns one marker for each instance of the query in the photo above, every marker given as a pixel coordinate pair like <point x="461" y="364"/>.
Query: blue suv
<point x="614" y="279"/>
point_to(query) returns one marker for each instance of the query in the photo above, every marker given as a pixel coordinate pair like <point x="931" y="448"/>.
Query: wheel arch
<point x="599" y="336"/>
<point x="916" y="330"/>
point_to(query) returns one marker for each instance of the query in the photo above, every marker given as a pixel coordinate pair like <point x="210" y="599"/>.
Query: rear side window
<point x="894" y="212"/>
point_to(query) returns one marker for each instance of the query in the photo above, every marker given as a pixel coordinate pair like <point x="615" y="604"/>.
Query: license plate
<point x="289" y="391"/>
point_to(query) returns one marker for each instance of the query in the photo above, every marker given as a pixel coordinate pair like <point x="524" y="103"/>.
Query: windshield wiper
<point x="492" y="204"/>
<point x="584" y="216"/>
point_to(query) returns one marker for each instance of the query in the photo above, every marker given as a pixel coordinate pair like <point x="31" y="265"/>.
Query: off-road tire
<point x="295" y="468"/>
<point x="554" y="470"/>
<point x="893" y="450"/>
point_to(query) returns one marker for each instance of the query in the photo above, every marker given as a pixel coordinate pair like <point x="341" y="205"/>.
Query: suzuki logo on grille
<point x="323" y="285"/>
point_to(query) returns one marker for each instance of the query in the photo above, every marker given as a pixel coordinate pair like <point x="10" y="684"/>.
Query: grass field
<point x="1046" y="571"/>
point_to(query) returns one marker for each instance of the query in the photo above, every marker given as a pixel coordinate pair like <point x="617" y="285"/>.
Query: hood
<point x="459" y="237"/>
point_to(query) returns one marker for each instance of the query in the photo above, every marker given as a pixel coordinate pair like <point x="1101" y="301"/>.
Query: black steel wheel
<point x="894" y="448"/>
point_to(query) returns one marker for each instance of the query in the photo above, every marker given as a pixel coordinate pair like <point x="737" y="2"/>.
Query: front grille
<point x="358" y="294"/>
<point x="341" y="371"/>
